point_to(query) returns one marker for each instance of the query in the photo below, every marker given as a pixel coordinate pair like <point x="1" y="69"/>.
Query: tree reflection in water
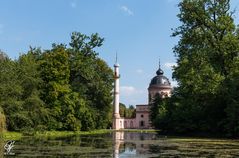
<point x="124" y="144"/>
<point x="132" y="144"/>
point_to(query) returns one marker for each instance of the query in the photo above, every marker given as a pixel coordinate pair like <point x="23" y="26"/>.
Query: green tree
<point x="33" y="108"/>
<point x="130" y="112"/>
<point x="160" y="112"/>
<point x="206" y="52"/>
<point x="3" y="56"/>
<point x="10" y="92"/>
<point x="122" y="110"/>
<point x="2" y="121"/>
<point x="232" y="101"/>
<point x="20" y="99"/>
<point x="55" y="88"/>
<point x="92" y="78"/>
<point x="207" y="55"/>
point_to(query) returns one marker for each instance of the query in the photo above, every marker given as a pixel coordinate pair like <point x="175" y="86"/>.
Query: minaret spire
<point x="159" y="71"/>
<point x="116" y="58"/>
<point x="159" y="63"/>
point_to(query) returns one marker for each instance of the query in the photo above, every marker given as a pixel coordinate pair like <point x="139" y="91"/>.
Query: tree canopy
<point x="127" y="112"/>
<point x="63" y="88"/>
<point x="206" y="100"/>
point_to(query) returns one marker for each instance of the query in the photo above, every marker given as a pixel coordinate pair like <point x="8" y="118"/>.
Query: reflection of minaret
<point x="118" y="138"/>
<point x="116" y="117"/>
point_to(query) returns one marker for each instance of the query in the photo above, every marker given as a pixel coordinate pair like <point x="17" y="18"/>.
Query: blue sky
<point x="139" y="30"/>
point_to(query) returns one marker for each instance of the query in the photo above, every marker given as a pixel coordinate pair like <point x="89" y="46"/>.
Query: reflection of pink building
<point x="158" y="85"/>
<point x="131" y="144"/>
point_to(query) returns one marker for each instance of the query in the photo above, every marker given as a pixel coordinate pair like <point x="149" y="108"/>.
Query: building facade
<point x="159" y="85"/>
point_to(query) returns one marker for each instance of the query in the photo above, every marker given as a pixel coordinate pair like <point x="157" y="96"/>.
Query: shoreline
<point x="8" y="135"/>
<point x="12" y="135"/>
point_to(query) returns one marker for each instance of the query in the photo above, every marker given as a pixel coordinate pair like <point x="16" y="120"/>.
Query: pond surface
<point x="124" y="145"/>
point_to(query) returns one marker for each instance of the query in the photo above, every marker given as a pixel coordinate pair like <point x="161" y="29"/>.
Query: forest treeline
<point x="127" y="112"/>
<point x="63" y="88"/>
<point x="206" y="100"/>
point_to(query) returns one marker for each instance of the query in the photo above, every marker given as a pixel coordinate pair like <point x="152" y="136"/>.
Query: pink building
<point x="141" y="120"/>
<point x="158" y="85"/>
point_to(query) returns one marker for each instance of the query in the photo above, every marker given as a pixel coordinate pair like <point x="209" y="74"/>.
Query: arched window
<point x="131" y="124"/>
<point x="166" y="95"/>
<point x="125" y="124"/>
<point x="141" y="123"/>
<point x="142" y="115"/>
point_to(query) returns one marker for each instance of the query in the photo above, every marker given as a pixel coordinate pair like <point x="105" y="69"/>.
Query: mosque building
<point x="158" y="85"/>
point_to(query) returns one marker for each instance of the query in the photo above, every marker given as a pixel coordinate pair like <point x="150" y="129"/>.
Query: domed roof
<point x="160" y="80"/>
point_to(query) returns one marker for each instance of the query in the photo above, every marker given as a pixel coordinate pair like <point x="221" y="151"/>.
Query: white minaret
<point x="116" y="117"/>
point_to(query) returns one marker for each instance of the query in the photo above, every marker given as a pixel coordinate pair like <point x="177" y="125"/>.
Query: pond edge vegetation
<point x="54" y="134"/>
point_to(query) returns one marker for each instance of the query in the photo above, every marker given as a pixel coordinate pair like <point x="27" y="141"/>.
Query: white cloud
<point x="127" y="10"/>
<point x="170" y="65"/>
<point x="174" y="84"/>
<point x="73" y="5"/>
<point x="129" y="91"/>
<point x="130" y="95"/>
<point x="139" y="71"/>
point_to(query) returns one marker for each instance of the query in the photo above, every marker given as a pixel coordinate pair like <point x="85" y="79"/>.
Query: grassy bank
<point x="69" y="133"/>
<point x="102" y="131"/>
<point x="17" y="135"/>
<point x="11" y="136"/>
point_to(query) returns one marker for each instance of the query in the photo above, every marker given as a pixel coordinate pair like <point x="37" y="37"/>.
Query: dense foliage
<point x="207" y="71"/>
<point x="127" y="112"/>
<point x="2" y="122"/>
<point x="64" y="88"/>
<point x="2" y="128"/>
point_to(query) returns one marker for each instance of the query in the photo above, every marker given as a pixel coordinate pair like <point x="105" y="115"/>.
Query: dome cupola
<point x="160" y="80"/>
<point x="159" y="84"/>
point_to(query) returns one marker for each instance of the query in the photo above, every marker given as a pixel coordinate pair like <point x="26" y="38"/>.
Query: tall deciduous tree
<point x="206" y="52"/>
<point x="56" y="92"/>
<point x="33" y="108"/>
<point x="92" y="78"/>
<point x="57" y="89"/>
<point x="2" y="122"/>
<point x="10" y="93"/>
<point x="207" y="58"/>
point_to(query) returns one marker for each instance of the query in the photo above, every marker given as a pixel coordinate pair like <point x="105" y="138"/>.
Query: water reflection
<point x="132" y="144"/>
<point x="123" y="145"/>
<point x="118" y="139"/>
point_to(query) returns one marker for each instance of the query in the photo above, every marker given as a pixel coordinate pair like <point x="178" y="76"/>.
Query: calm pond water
<point x="124" y="145"/>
